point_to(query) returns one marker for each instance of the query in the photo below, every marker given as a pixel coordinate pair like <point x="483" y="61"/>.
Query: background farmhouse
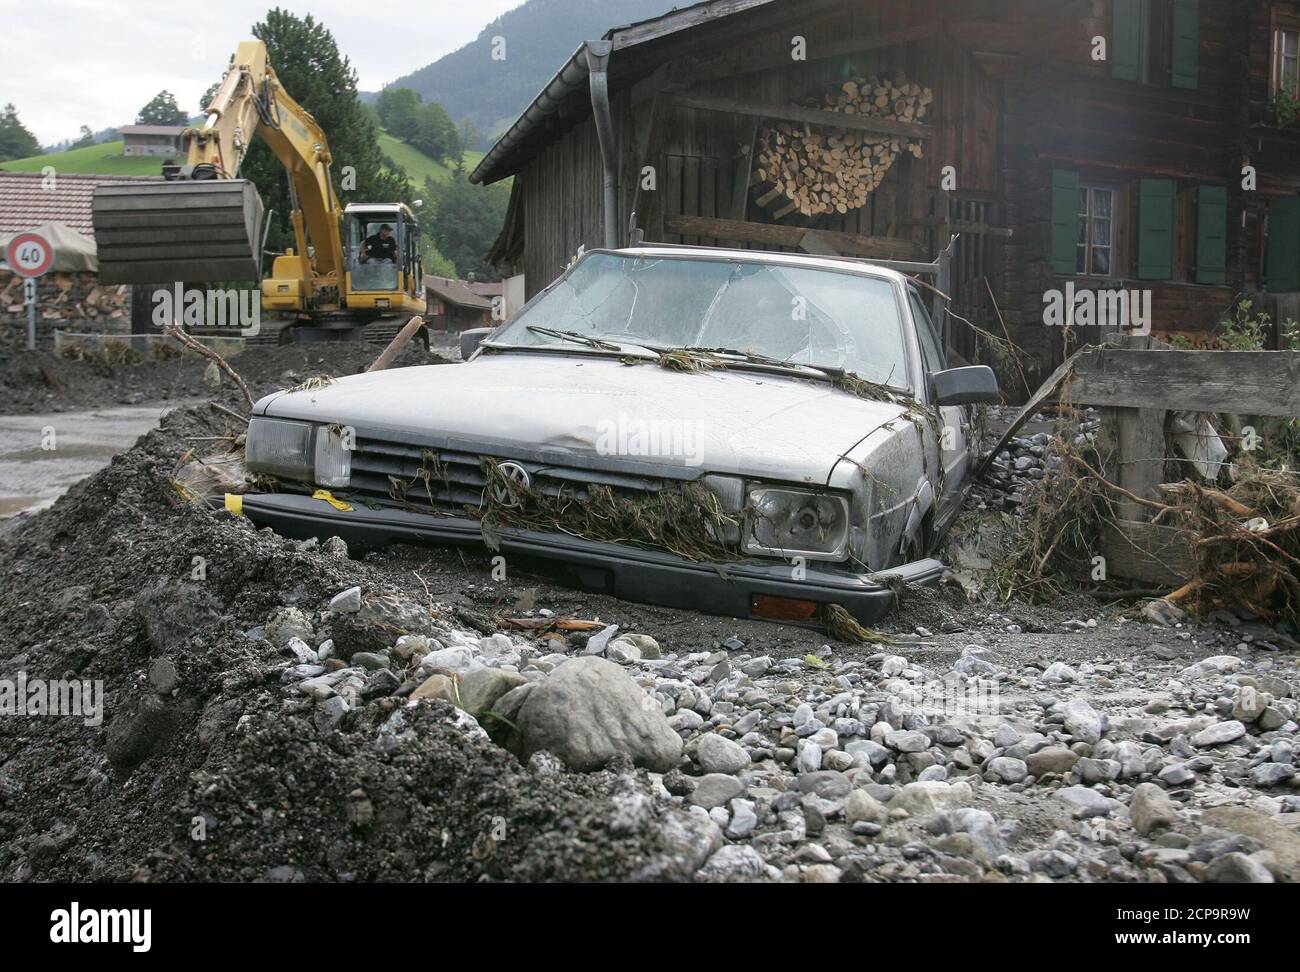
<point x="1128" y="172"/>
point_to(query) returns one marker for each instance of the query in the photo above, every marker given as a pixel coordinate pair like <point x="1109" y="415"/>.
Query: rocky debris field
<point x="278" y="711"/>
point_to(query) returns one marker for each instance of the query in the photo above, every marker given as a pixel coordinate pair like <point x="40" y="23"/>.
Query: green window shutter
<point x="1156" y="229"/>
<point x="1284" y="245"/>
<point x="1128" y="40"/>
<point x="1187" y="43"/>
<point x="1212" y="235"/>
<point x="1065" y="221"/>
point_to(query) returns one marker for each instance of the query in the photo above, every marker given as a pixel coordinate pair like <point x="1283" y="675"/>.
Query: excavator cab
<point x="381" y="284"/>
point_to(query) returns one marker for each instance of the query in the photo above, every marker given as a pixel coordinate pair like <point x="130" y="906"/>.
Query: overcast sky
<point x="68" y="63"/>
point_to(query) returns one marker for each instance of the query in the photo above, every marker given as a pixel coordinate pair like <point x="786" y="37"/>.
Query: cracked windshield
<point x="794" y="315"/>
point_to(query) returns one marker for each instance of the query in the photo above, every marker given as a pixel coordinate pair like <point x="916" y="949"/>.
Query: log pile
<point x="819" y="171"/>
<point x="68" y="297"/>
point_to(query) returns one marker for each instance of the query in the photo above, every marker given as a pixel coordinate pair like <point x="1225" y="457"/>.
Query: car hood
<point x="760" y="425"/>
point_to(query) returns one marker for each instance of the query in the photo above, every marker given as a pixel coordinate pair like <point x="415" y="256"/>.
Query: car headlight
<point x="298" y="451"/>
<point x="797" y="523"/>
<point x="333" y="465"/>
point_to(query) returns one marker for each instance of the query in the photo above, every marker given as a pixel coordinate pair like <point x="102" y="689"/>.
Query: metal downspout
<point x="597" y="62"/>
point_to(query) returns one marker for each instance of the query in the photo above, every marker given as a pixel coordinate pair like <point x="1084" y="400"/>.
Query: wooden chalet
<point x="1144" y="145"/>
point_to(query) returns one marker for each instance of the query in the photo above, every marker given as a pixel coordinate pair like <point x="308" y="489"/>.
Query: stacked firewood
<point x="818" y="171"/>
<point x="68" y="297"/>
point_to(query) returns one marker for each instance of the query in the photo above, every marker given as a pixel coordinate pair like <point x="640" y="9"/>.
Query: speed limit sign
<point x="30" y="255"/>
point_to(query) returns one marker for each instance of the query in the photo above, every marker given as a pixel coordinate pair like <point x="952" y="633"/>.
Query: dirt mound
<point x="204" y="767"/>
<point x="43" y="382"/>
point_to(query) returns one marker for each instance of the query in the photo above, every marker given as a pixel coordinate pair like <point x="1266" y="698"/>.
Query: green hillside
<point x="105" y="158"/>
<point x="416" y="164"/>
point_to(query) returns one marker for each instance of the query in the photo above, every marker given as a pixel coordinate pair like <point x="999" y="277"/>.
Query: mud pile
<point x="42" y="382"/>
<point x="203" y="769"/>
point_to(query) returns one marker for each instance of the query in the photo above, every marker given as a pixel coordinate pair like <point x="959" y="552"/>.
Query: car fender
<point x="922" y="504"/>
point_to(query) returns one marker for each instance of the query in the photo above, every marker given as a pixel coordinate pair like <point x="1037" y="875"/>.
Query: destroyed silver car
<point x="750" y="434"/>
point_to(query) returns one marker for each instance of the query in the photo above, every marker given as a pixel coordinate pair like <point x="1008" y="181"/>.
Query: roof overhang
<point x="564" y="93"/>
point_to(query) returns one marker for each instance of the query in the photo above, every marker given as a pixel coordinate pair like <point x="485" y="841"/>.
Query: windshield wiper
<point x="574" y="336"/>
<point x="746" y="357"/>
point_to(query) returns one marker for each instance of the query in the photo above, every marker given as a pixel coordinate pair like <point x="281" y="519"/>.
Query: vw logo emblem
<point x="514" y="473"/>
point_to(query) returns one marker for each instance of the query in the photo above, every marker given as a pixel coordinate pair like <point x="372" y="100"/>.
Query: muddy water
<point x="42" y="455"/>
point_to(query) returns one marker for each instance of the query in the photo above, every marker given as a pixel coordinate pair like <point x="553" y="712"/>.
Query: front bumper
<point x="630" y="573"/>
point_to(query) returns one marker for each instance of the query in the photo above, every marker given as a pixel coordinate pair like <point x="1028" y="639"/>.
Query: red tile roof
<point x="26" y="201"/>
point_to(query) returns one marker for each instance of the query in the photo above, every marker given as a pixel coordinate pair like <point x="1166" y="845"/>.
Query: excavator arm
<point x="204" y="223"/>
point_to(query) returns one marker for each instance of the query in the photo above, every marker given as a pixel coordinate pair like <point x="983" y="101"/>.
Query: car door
<point x="954" y="424"/>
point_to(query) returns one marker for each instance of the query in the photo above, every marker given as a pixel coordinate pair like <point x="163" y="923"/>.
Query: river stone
<point x="716" y="790"/>
<point x="1008" y="770"/>
<point x="931" y="797"/>
<point x="1151" y="808"/>
<point x="1053" y="759"/>
<point x="717" y="754"/>
<point x="862" y="806"/>
<point x="1086" y="802"/>
<point x="481" y="688"/>
<point x="1282" y="841"/>
<point x="1082" y="721"/>
<point x="734" y="862"/>
<point x="587" y="712"/>
<point x="1237" y="868"/>
<point x="346" y="602"/>
<point x="1218" y="734"/>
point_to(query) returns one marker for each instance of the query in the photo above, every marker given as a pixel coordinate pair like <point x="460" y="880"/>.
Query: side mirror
<point x="966" y="386"/>
<point x="471" y="339"/>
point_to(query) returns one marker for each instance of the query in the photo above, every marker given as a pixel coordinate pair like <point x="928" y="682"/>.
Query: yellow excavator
<point x="203" y="224"/>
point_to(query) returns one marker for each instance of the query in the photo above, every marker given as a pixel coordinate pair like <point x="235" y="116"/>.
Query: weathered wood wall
<point x="1017" y="94"/>
<point x="561" y="199"/>
<point x="1067" y="111"/>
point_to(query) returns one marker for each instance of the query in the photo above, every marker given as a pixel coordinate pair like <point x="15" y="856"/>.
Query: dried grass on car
<point x="685" y="519"/>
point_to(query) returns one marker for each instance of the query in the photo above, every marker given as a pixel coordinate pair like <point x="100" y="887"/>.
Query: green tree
<point x="471" y="138"/>
<point x="433" y="261"/>
<point x="208" y="96"/>
<point x="399" y="110"/>
<point x="16" y="142"/>
<point x="316" y="75"/>
<point x="85" y="138"/>
<point x="463" y="220"/>
<point x="161" y="110"/>
<point x="435" y="133"/>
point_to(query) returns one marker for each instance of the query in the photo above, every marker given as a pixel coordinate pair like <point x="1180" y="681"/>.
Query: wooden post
<point x="944" y="285"/>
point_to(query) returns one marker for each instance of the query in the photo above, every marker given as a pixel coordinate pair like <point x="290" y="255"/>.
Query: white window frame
<point x="1284" y="28"/>
<point x="1086" y="219"/>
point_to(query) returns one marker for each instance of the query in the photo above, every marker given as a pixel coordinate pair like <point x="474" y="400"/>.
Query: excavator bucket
<point x="181" y="231"/>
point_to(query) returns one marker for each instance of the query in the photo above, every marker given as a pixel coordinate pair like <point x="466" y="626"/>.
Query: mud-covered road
<point x="282" y="711"/>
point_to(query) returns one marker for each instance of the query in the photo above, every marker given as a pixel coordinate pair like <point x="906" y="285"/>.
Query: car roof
<point x="841" y="264"/>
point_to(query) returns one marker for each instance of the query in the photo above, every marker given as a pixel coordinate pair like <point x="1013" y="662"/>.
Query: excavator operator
<point x="381" y="247"/>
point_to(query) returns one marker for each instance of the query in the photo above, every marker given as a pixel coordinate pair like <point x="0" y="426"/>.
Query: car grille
<point x="447" y="481"/>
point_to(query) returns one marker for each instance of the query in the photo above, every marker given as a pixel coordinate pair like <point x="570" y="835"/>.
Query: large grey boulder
<point x="587" y="712"/>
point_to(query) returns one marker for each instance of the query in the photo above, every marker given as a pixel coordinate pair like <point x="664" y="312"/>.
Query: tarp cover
<point x="72" y="251"/>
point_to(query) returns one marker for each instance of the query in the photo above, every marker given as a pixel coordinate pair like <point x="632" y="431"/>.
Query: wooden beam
<point x="960" y="226"/>
<point x="810" y="116"/>
<point x="813" y="242"/>
<point x="791" y="236"/>
<point x="1238" y="382"/>
<point x="1146" y="552"/>
<point x="731" y="67"/>
<point x="1141" y="458"/>
<point x="744" y="167"/>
